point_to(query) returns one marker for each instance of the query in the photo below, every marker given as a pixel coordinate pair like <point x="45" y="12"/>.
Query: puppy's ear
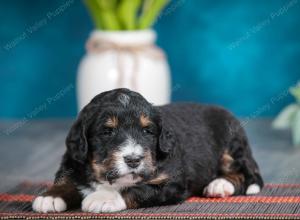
<point x="77" y="144"/>
<point x="76" y="141"/>
<point x="167" y="142"/>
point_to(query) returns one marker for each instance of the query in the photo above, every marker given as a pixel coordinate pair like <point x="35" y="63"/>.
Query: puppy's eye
<point x="108" y="132"/>
<point x="147" y="130"/>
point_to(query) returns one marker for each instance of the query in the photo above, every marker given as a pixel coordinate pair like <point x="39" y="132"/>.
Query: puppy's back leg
<point x="238" y="172"/>
<point x="244" y="164"/>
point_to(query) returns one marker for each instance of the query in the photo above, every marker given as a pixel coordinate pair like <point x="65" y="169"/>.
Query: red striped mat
<point x="276" y="201"/>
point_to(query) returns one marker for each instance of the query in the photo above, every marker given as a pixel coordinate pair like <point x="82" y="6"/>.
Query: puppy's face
<point x="122" y="141"/>
<point x="121" y="134"/>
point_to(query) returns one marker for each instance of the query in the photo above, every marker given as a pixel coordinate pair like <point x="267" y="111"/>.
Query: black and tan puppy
<point x="124" y="153"/>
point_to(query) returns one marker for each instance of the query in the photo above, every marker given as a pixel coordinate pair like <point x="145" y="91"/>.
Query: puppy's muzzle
<point x="133" y="161"/>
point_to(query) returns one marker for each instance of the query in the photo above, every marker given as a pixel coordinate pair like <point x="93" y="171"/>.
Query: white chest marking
<point x="122" y="182"/>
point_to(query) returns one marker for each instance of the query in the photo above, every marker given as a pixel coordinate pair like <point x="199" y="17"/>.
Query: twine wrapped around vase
<point x="94" y="45"/>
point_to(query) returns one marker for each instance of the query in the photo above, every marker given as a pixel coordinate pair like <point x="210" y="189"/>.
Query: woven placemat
<point x="276" y="201"/>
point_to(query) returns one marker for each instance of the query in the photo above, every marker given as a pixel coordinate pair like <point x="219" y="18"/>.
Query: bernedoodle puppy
<point x="124" y="153"/>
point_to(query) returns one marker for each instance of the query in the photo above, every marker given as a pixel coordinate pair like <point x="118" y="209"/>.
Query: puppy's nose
<point x="133" y="161"/>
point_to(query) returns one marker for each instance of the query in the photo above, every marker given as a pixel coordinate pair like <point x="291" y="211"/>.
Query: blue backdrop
<point x="243" y="55"/>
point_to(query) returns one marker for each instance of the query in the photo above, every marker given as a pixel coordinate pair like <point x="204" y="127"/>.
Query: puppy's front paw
<point x="47" y="204"/>
<point x="103" y="201"/>
<point x="219" y="188"/>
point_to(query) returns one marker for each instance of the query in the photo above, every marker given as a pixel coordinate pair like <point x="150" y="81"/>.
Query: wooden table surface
<point x="32" y="150"/>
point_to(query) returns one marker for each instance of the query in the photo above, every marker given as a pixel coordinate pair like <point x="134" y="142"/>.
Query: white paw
<point x="49" y="204"/>
<point x="253" y="189"/>
<point x="103" y="201"/>
<point x="219" y="188"/>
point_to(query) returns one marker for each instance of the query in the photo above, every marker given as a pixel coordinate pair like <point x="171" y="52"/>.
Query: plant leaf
<point x="107" y="4"/>
<point x="127" y="13"/>
<point x="107" y="13"/>
<point x="103" y="14"/>
<point x="94" y="12"/>
<point x="150" y="11"/>
<point x="285" y="117"/>
<point x="296" y="129"/>
<point x="295" y="91"/>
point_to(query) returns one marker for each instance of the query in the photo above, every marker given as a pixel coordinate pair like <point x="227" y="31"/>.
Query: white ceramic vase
<point x="123" y="59"/>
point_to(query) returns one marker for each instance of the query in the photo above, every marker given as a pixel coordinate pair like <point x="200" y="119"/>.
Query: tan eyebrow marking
<point x="112" y="122"/>
<point x="145" y="120"/>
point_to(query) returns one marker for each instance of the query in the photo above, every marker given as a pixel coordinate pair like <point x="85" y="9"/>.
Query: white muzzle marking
<point x="129" y="148"/>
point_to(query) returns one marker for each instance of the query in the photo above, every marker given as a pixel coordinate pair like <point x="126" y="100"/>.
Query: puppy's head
<point x="117" y="134"/>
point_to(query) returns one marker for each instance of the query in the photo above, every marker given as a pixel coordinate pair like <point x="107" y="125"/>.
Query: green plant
<point x="124" y="14"/>
<point x="289" y="117"/>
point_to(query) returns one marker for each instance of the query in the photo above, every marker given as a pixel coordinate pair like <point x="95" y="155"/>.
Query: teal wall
<point x="239" y="54"/>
